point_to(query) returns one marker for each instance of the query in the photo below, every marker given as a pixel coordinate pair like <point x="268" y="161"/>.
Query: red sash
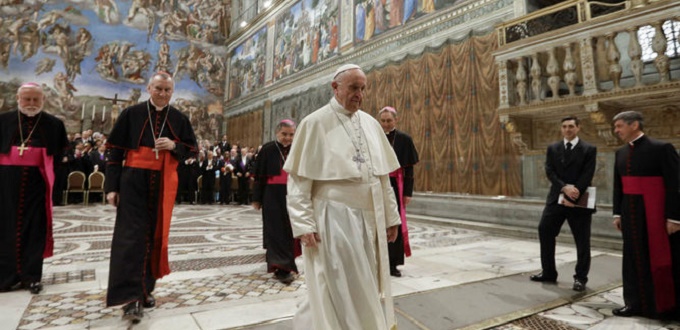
<point x="282" y="178"/>
<point x="145" y="158"/>
<point x="652" y="190"/>
<point x="399" y="175"/>
<point x="37" y="157"/>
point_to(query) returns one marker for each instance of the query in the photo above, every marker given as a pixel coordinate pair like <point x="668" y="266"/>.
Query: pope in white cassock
<point x="344" y="211"/>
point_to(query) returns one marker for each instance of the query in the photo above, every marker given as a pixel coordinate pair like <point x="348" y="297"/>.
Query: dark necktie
<point x="567" y="152"/>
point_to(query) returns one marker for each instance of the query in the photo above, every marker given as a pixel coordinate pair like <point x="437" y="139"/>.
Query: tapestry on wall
<point x="94" y="58"/>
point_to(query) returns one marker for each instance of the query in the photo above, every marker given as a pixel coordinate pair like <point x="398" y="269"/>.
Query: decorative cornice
<point x="668" y="89"/>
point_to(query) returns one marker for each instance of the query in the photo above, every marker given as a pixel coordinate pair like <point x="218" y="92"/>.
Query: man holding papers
<point x="569" y="165"/>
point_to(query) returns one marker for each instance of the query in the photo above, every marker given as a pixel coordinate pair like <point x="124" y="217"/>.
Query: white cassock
<point x="338" y="187"/>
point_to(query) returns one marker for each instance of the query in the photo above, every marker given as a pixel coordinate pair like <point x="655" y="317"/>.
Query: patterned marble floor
<point x="219" y="278"/>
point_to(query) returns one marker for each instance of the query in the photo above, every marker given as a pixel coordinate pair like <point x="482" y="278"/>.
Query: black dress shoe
<point x="579" y="285"/>
<point x="542" y="278"/>
<point x="133" y="312"/>
<point x="625" y="311"/>
<point x="35" y="287"/>
<point x="149" y="302"/>
<point x="395" y="272"/>
<point x="284" y="277"/>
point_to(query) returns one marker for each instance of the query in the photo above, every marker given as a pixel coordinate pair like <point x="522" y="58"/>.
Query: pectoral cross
<point x="22" y="148"/>
<point x="358" y="158"/>
<point x="156" y="151"/>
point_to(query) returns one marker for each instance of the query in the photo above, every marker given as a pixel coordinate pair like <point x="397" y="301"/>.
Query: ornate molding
<point x="670" y="89"/>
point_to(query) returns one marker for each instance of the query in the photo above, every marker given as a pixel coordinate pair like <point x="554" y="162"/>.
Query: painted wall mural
<point x="373" y="17"/>
<point x="306" y="34"/>
<point x="94" y="57"/>
<point x="247" y="66"/>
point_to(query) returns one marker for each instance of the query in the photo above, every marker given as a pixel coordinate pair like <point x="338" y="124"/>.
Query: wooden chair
<point x="95" y="185"/>
<point x="74" y="184"/>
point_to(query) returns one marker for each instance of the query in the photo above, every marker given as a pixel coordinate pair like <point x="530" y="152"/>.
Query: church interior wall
<point x="414" y="48"/>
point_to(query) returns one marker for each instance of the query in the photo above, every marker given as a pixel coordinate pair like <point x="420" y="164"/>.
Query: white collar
<point x="574" y="142"/>
<point x="637" y="138"/>
<point x="155" y="106"/>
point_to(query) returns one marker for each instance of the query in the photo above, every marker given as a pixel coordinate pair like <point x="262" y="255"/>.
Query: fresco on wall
<point x="306" y="34"/>
<point x="247" y="66"/>
<point x="94" y="57"/>
<point x="373" y="17"/>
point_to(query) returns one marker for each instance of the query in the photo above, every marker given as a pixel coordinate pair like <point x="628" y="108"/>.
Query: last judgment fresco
<point x="94" y="57"/>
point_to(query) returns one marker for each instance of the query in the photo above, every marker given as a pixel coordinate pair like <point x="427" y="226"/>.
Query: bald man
<point x="146" y="144"/>
<point x="31" y="144"/>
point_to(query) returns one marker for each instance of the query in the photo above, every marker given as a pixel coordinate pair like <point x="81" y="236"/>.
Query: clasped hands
<point x="312" y="239"/>
<point x="572" y="192"/>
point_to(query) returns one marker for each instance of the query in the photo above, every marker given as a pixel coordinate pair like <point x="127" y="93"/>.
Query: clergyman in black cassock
<point x="32" y="143"/>
<point x="402" y="181"/>
<point x="570" y="166"/>
<point x="151" y="137"/>
<point x="647" y="212"/>
<point x="269" y="193"/>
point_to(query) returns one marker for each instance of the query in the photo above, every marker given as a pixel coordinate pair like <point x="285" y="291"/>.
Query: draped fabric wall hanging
<point x="447" y="102"/>
<point x="246" y="129"/>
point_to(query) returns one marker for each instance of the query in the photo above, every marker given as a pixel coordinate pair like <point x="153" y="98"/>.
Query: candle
<point x="82" y="113"/>
<point x="103" y="113"/>
<point x="93" y="111"/>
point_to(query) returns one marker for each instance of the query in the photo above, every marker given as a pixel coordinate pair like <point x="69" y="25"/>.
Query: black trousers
<point x="579" y="221"/>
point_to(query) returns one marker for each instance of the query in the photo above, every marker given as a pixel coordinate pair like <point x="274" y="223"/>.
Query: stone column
<point x="503" y="84"/>
<point x="536" y="79"/>
<point x="659" y="45"/>
<point x="588" y="66"/>
<point x="635" y="54"/>
<point x="613" y="57"/>
<point x="553" y="69"/>
<point x="521" y="76"/>
<point x="569" y="67"/>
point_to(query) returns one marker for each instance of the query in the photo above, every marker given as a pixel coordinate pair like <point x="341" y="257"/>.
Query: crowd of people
<point x="218" y="159"/>
<point x="217" y="165"/>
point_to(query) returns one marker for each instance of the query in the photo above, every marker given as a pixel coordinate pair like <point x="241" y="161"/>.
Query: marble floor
<point x="219" y="278"/>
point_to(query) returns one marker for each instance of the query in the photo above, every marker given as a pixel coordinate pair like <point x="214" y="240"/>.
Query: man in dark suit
<point x="224" y="145"/>
<point x="240" y="165"/>
<point x="225" y="167"/>
<point x="569" y="165"/>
